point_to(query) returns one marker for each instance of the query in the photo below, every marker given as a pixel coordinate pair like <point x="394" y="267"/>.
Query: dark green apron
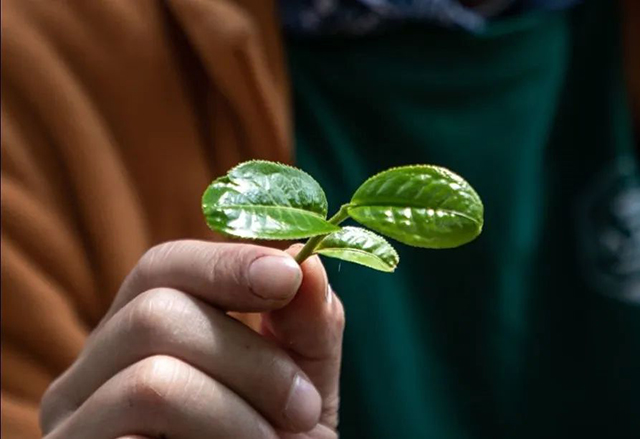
<point x="533" y="330"/>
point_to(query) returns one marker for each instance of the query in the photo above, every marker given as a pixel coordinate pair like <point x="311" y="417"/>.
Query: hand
<point x="167" y="361"/>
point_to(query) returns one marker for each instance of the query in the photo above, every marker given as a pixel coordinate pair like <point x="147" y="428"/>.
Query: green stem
<point x="313" y="242"/>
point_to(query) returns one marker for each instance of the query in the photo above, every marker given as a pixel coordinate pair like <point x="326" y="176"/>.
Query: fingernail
<point x="275" y="277"/>
<point x="329" y="297"/>
<point x="303" y="404"/>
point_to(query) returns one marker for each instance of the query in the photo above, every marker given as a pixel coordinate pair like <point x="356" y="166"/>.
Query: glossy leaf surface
<point x="361" y="246"/>
<point x="421" y="205"/>
<point x="266" y="200"/>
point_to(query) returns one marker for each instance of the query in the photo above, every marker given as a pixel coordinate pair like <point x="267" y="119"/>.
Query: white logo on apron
<point x="609" y="229"/>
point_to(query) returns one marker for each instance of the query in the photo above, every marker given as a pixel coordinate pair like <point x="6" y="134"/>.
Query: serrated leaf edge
<point x="417" y="166"/>
<point x="271" y="162"/>
<point x="447" y="171"/>
<point x="368" y="232"/>
<point x="349" y="249"/>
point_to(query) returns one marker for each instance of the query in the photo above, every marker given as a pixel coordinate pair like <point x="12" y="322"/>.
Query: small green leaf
<point x="421" y="205"/>
<point x="361" y="246"/>
<point x="266" y="200"/>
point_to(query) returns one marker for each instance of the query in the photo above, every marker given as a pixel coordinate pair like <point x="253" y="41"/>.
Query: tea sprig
<point x="419" y="205"/>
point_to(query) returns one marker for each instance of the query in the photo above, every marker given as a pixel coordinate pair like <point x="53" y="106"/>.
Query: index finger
<point x="231" y="277"/>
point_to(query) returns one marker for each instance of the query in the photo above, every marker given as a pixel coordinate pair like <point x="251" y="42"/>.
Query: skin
<point x="167" y="361"/>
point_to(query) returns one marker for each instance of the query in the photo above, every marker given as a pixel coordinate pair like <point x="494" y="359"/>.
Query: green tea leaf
<point x="266" y="200"/>
<point x="421" y="205"/>
<point x="361" y="246"/>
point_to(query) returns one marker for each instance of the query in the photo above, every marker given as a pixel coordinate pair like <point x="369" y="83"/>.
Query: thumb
<point x="310" y="329"/>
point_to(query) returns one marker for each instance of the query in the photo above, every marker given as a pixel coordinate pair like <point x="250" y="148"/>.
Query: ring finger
<point x="163" y="397"/>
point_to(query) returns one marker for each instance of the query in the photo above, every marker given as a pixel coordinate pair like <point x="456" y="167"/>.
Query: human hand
<point x="168" y="362"/>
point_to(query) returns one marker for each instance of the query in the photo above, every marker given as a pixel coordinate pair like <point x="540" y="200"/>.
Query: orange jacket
<point x="115" y="117"/>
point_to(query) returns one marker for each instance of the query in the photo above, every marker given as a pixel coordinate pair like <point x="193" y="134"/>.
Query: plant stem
<point x="313" y="242"/>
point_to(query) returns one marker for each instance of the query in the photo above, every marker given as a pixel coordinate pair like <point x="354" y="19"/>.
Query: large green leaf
<point x="266" y="200"/>
<point x="421" y="205"/>
<point x="361" y="246"/>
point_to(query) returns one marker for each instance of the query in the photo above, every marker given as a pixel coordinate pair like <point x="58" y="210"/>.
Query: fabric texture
<point x="115" y="117"/>
<point x="532" y="330"/>
<point x="361" y="17"/>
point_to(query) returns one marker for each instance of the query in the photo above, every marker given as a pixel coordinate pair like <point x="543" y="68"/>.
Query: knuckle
<point x="150" y="312"/>
<point x="145" y="267"/>
<point x="154" y="382"/>
<point x="227" y="263"/>
<point x="214" y="262"/>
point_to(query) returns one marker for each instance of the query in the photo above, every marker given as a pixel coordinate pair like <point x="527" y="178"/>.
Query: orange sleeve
<point x="110" y="111"/>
